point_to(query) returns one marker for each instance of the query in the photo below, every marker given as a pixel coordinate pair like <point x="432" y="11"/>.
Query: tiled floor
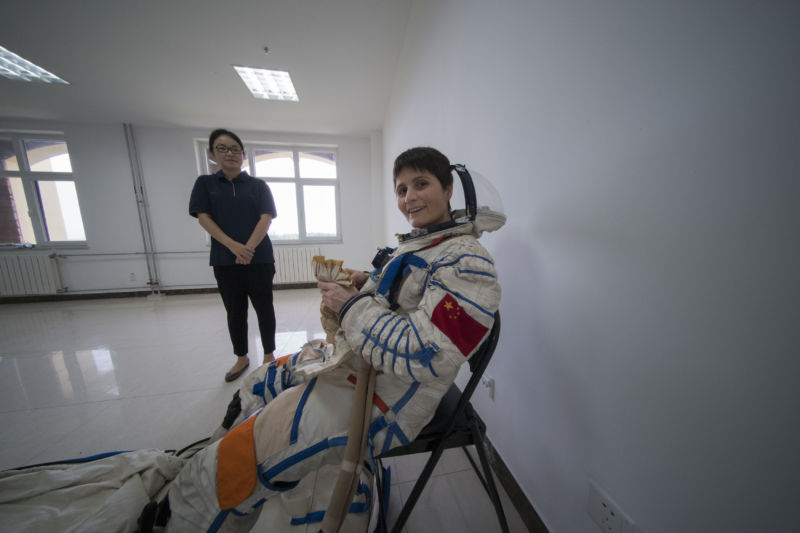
<point x="85" y="377"/>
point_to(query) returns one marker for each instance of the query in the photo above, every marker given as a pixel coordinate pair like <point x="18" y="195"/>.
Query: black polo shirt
<point x="236" y="206"/>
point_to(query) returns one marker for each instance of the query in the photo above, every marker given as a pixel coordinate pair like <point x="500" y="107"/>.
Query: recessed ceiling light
<point x="268" y="84"/>
<point x="18" y="68"/>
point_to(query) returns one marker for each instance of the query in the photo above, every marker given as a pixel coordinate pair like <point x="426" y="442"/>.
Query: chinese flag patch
<point x="453" y="321"/>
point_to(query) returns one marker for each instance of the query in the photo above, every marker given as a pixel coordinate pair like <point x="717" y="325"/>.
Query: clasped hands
<point x="244" y="253"/>
<point x="334" y="295"/>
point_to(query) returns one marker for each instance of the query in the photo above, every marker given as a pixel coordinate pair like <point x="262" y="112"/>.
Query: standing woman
<point x="237" y="210"/>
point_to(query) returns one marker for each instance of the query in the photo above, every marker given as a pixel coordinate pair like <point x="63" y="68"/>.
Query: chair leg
<point x="379" y="485"/>
<point x="475" y="467"/>
<point x="487" y="470"/>
<point x="418" y="487"/>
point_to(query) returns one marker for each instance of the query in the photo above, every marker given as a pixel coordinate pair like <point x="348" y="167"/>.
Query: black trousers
<point x="236" y="284"/>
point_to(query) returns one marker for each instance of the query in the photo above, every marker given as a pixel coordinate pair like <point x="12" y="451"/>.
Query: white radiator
<point x="29" y="274"/>
<point x="293" y="264"/>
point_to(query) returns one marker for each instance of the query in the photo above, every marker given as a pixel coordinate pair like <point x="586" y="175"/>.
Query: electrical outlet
<point x="606" y="513"/>
<point x="132" y="276"/>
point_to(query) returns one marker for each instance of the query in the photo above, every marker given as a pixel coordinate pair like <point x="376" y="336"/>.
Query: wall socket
<point x="132" y="276"/>
<point x="607" y="514"/>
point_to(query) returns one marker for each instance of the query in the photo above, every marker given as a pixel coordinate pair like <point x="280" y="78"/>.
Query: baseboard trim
<point x="130" y="294"/>
<point x="523" y="506"/>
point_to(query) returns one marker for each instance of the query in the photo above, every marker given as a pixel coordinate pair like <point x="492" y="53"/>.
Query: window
<point x="304" y="184"/>
<point x="38" y="199"/>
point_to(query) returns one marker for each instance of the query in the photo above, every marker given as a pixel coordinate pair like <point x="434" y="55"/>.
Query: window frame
<point x="32" y="196"/>
<point x="203" y="165"/>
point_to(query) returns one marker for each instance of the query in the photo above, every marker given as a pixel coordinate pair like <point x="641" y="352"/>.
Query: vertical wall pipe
<point x="144" y="211"/>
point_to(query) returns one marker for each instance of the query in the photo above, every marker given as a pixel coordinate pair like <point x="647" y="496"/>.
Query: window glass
<point x="320" y="210"/>
<point x="15" y="222"/>
<point x="286" y="225"/>
<point x="47" y="156"/>
<point x="318" y="165"/>
<point x="8" y="159"/>
<point x="211" y="165"/>
<point x="61" y="211"/>
<point x="273" y="164"/>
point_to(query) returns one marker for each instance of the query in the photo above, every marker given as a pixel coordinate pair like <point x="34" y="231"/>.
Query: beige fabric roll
<point x="330" y="270"/>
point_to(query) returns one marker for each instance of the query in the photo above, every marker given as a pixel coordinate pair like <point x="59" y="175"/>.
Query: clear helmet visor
<point x="476" y="200"/>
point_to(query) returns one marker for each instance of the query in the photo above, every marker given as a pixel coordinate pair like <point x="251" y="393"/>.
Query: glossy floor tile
<point x="84" y="377"/>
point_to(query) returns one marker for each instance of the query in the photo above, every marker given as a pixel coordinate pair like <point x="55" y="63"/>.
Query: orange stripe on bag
<point x="236" y="465"/>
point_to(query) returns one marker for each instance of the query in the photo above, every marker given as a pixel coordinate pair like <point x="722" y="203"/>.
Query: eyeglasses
<point x="234" y="150"/>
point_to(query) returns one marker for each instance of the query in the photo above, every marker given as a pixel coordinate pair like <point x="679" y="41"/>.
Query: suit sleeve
<point x="454" y="316"/>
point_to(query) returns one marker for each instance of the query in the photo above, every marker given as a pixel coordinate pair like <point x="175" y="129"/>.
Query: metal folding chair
<point x="455" y="424"/>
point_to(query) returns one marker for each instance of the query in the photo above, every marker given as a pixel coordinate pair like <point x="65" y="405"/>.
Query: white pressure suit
<point x="416" y="321"/>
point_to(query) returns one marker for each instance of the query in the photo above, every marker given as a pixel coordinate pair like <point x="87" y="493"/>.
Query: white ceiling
<point x="169" y="62"/>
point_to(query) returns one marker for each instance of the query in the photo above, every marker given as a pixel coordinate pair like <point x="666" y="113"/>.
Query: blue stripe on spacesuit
<point x="278" y="486"/>
<point x="394" y="350"/>
<point x="476" y="272"/>
<point x="386" y="346"/>
<point x="289" y="462"/>
<point x="397" y="352"/>
<point x="393" y="431"/>
<point x="271" y="380"/>
<point x="424" y="356"/>
<point x="437" y="265"/>
<point x="368" y="334"/>
<point x="414" y="327"/>
<point x="380" y="333"/>
<point x="317" y="516"/>
<point x="406" y="397"/>
<point x="258" y="389"/>
<point x="473" y="304"/>
<point x="320" y="350"/>
<point x="299" y="411"/>
<point x="419" y="339"/>
<point x="377" y="425"/>
<point x="217" y="523"/>
<point x="430" y="364"/>
<point x="398" y="266"/>
<point x="286" y="377"/>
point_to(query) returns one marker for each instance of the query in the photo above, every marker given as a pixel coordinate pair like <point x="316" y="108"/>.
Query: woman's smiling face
<point x="231" y="163"/>
<point x="421" y="198"/>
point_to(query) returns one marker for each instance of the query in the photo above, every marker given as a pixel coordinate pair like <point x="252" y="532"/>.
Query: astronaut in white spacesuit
<point x="418" y="316"/>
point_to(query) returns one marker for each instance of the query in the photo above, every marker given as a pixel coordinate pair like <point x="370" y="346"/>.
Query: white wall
<point x="103" y="178"/>
<point x="647" y="157"/>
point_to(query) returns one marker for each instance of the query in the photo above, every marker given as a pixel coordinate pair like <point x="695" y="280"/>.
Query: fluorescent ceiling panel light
<point x="18" y="68"/>
<point x="268" y="84"/>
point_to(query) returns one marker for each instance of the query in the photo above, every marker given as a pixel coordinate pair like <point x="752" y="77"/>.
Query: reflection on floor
<point x="83" y="377"/>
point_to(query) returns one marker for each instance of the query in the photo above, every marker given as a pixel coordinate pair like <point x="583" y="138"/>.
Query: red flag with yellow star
<point x="453" y="321"/>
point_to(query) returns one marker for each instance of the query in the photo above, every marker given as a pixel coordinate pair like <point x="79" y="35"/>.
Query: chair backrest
<point x="477" y="365"/>
<point x="484" y="354"/>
